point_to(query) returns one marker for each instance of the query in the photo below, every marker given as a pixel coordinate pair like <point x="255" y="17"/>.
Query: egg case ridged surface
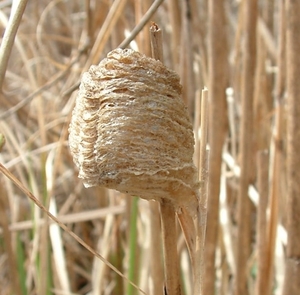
<point x="130" y="130"/>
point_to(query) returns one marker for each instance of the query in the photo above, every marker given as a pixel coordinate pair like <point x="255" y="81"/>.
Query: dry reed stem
<point x="8" y="242"/>
<point x="59" y="76"/>
<point x="171" y="262"/>
<point x="175" y="20"/>
<point x="157" y="271"/>
<point x="156" y="262"/>
<point x="141" y="7"/>
<point x="9" y="36"/>
<point x="88" y="215"/>
<point x="186" y="58"/>
<point x="292" y="271"/>
<point x="246" y="141"/>
<point x="147" y="16"/>
<point x="167" y="210"/>
<point x="114" y="14"/>
<point x="198" y="265"/>
<point x="156" y="42"/>
<point x="261" y="225"/>
<point x="217" y="63"/>
<point x="281" y="60"/>
<point x="274" y="197"/>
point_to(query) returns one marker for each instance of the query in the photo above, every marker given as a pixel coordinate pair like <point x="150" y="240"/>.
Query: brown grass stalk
<point x="9" y="36"/>
<point x="217" y="51"/>
<point x="157" y="271"/>
<point x="175" y="20"/>
<point x="246" y="142"/>
<point x="261" y="224"/>
<point x="200" y="226"/>
<point x="171" y="261"/>
<point x="292" y="271"/>
<point x="8" y="242"/>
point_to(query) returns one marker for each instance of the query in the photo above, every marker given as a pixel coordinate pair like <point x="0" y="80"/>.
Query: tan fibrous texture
<point x="130" y="130"/>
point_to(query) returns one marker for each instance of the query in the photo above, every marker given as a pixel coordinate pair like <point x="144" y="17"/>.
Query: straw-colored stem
<point x="156" y="42"/>
<point x="142" y="39"/>
<point x="175" y="20"/>
<point x="261" y="225"/>
<point x="9" y="36"/>
<point x="114" y="14"/>
<point x="292" y="270"/>
<point x="14" y="275"/>
<point x="246" y="141"/>
<point x="147" y="16"/>
<point x="217" y="62"/>
<point x="171" y="262"/>
<point x="157" y="272"/>
<point x="201" y="220"/>
<point x="132" y="245"/>
<point x="186" y="58"/>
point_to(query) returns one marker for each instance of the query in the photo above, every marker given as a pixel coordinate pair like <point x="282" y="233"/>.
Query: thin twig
<point x="9" y="37"/>
<point x="142" y="23"/>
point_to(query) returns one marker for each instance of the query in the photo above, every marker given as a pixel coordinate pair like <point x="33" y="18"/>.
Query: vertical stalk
<point x="218" y="71"/>
<point x="9" y="36"/>
<point x="292" y="271"/>
<point x="171" y="262"/>
<point x="246" y="140"/>
<point x="261" y="225"/>
<point x="201" y="221"/>
<point x="157" y="272"/>
<point x="132" y="245"/>
<point x="175" y="20"/>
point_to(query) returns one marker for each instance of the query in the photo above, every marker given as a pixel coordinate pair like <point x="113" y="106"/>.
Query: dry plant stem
<point x="9" y="36"/>
<point x="277" y="154"/>
<point x="143" y="37"/>
<point x="8" y="242"/>
<point x="281" y="74"/>
<point x="246" y="140"/>
<point x="276" y="168"/>
<point x="10" y="176"/>
<point x="175" y="20"/>
<point x="201" y="220"/>
<point x="156" y="42"/>
<point x="217" y="63"/>
<point x="142" y="23"/>
<point x="292" y="270"/>
<point x="261" y="225"/>
<point x="167" y="210"/>
<point x="186" y="58"/>
<point x="171" y="262"/>
<point x="109" y="23"/>
<point x="43" y="88"/>
<point x="157" y="272"/>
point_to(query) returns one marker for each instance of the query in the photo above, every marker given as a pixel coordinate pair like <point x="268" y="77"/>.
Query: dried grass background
<point x="238" y="50"/>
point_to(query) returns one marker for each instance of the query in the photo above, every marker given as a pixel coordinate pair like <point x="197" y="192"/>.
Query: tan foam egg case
<point x="130" y="130"/>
